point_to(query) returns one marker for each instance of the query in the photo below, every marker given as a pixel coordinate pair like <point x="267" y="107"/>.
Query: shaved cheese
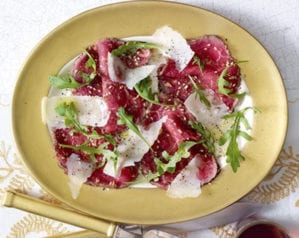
<point x="186" y="183"/>
<point x="208" y="116"/>
<point x="132" y="148"/>
<point x="78" y="171"/>
<point x="157" y="60"/>
<point x="92" y="110"/>
<point x="118" y="72"/>
<point x="134" y="76"/>
<point x="172" y="43"/>
<point x="176" y="46"/>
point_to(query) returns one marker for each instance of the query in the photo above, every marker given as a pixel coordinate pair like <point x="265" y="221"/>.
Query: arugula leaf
<point x="64" y="81"/>
<point x="233" y="153"/>
<point x="126" y="119"/>
<point x="196" y="60"/>
<point x="90" y="63"/>
<point x="223" y="83"/>
<point x="67" y="109"/>
<point x="143" y="88"/>
<point x="95" y="135"/>
<point x="181" y="153"/>
<point x="68" y="81"/>
<point x="239" y="96"/>
<point x="131" y="47"/>
<point x="208" y="140"/>
<point x="92" y="151"/>
<point x="109" y="138"/>
<point x="199" y="92"/>
<point x="69" y="112"/>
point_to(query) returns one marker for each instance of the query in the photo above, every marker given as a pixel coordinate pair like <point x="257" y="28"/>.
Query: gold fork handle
<point x="79" y="234"/>
<point x="40" y="207"/>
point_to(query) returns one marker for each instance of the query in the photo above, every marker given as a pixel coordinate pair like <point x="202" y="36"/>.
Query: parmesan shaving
<point x="92" y="110"/>
<point x="173" y="45"/>
<point x="176" y="46"/>
<point x="118" y="72"/>
<point x="208" y="116"/>
<point x="186" y="183"/>
<point x="132" y="148"/>
<point x="78" y="171"/>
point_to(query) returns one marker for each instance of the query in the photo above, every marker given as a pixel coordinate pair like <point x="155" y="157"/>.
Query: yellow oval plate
<point x="148" y="206"/>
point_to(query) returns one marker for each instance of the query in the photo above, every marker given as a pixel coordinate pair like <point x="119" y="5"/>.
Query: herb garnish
<point x="143" y="88"/>
<point x="196" y="60"/>
<point x="64" y="81"/>
<point x="207" y="138"/>
<point x="92" y="151"/>
<point x="172" y="160"/>
<point x="126" y="119"/>
<point x="233" y="152"/>
<point x="68" y="111"/>
<point x="131" y="47"/>
<point x="91" y="63"/>
<point x="68" y="81"/>
<point x="199" y="92"/>
<point x="223" y="84"/>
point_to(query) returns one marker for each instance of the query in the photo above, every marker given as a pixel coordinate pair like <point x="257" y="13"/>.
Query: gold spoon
<point x="93" y="225"/>
<point x="40" y="207"/>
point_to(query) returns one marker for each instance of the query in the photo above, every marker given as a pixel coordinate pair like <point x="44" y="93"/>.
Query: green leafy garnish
<point x="95" y="135"/>
<point x="223" y="83"/>
<point x="143" y="88"/>
<point x="126" y="119"/>
<point x="172" y="160"/>
<point x="91" y="63"/>
<point x="196" y="60"/>
<point x="131" y="47"/>
<point x="233" y="152"/>
<point x="64" y="81"/>
<point x="199" y="92"/>
<point x="240" y="95"/>
<point x="68" y="81"/>
<point x="208" y="140"/>
<point x="68" y="111"/>
<point x="92" y="151"/>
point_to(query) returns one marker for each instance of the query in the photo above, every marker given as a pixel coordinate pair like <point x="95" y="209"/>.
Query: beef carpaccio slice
<point x="211" y="58"/>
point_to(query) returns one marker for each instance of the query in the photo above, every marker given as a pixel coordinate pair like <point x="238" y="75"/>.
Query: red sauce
<point x="263" y="231"/>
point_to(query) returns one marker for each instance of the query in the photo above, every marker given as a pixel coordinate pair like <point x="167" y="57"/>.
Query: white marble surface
<point x="275" y="23"/>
